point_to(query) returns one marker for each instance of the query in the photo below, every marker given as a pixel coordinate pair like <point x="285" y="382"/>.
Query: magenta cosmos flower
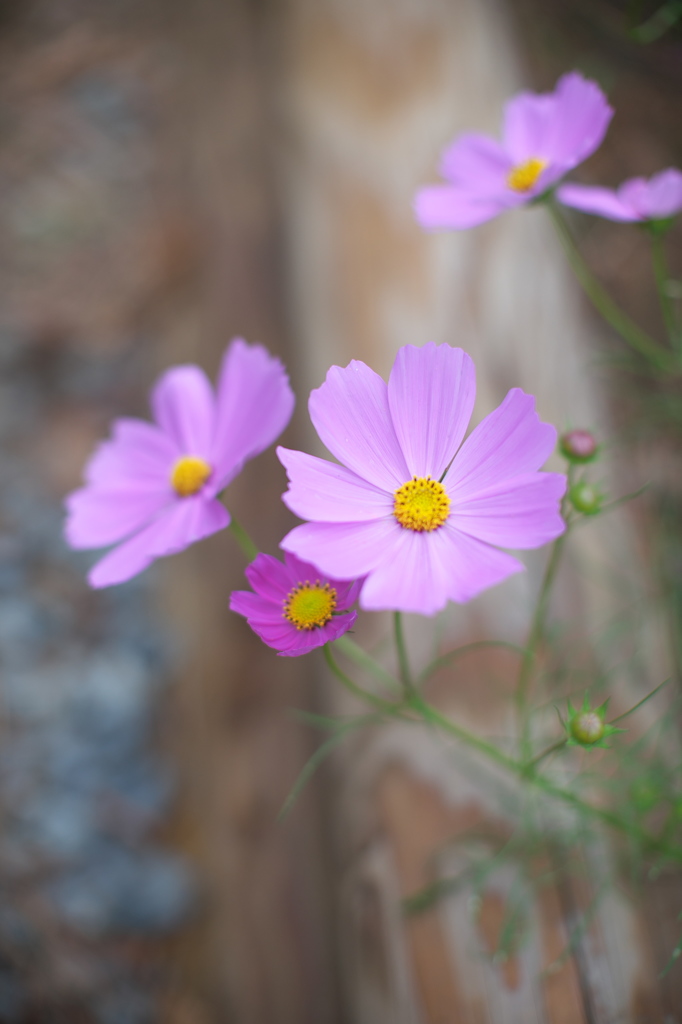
<point x="543" y="137"/>
<point x="295" y="608"/>
<point x="152" y="489"/>
<point x="421" y="517"/>
<point x="635" y="200"/>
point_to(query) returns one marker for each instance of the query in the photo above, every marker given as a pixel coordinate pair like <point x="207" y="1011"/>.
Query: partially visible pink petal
<point x="424" y="571"/>
<point x="471" y="565"/>
<point x="344" y="551"/>
<point x="270" y="578"/>
<point x="184" y="407"/>
<point x="602" y="201"/>
<point x="99" y="516"/>
<point x="254" y="405"/>
<point x="137" y="451"/>
<point x="309" y="639"/>
<point x="528" y="119"/>
<point x="518" y="513"/>
<point x="431" y="394"/>
<point x="347" y="593"/>
<point x="327" y="492"/>
<point x="509" y="442"/>
<point x="664" y="194"/>
<point x="581" y="119"/>
<point x="410" y="577"/>
<point x="350" y="413"/>
<point x="186" y="521"/>
<point x="451" y="207"/>
<point x="477" y="163"/>
<point x="256" y="608"/>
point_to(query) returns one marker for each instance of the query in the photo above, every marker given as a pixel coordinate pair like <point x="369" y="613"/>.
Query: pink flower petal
<point x="528" y="120"/>
<point x="602" y="201"/>
<point x="257" y="609"/>
<point x="327" y="492"/>
<point x="518" y="513"/>
<point x="450" y="207"/>
<point x="99" y="516"/>
<point x="184" y="407"/>
<point x="426" y="570"/>
<point x="350" y="413"/>
<point x="254" y="405"/>
<point x="510" y="442"/>
<point x="342" y="550"/>
<point x="270" y="578"/>
<point x="186" y="521"/>
<point x="477" y="163"/>
<point x="581" y="119"/>
<point x="431" y="394"/>
<point x="664" y="194"/>
<point x="137" y="452"/>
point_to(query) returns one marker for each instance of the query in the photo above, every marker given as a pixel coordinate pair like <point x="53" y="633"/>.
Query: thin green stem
<point x="537" y="630"/>
<point x="365" y="661"/>
<point x="243" y="539"/>
<point x="559" y="745"/>
<point x="635" y="337"/>
<point x="662" y="277"/>
<point x="401" y="650"/>
<point x="369" y="698"/>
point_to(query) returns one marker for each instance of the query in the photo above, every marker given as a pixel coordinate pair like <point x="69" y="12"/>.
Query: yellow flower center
<point x="421" y="504"/>
<point x="310" y="605"/>
<point x="522" y="177"/>
<point x="189" y="474"/>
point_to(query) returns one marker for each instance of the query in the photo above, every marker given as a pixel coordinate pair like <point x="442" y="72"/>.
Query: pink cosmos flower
<point x="295" y="607"/>
<point x="543" y="137"/>
<point x="635" y="200"/>
<point x="417" y="512"/>
<point x="152" y="489"/>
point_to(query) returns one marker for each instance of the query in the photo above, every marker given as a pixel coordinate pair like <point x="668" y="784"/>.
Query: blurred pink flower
<point x="152" y="489"/>
<point x="295" y="608"/>
<point x="417" y="512"/>
<point x="635" y="200"/>
<point x="544" y="136"/>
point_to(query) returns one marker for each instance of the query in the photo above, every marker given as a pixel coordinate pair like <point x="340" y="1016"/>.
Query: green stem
<point x="365" y="661"/>
<point x="401" y="650"/>
<point x="661" y="275"/>
<point x="545" y="753"/>
<point x="537" y="630"/>
<point x="357" y="691"/>
<point x="636" y="338"/>
<point x="243" y="539"/>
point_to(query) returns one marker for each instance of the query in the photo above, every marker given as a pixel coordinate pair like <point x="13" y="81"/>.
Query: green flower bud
<point x="587" y="728"/>
<point x="586" y="498"/>
<point x="578" y="446"/>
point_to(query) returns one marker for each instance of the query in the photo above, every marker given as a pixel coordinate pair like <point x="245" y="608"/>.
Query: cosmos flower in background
<point x="417" y="512"/>
<point x="635" y="200"/>
<point x="295" y="608"/>
<point x="152" y="488"/>
<point x="544" y="136"/>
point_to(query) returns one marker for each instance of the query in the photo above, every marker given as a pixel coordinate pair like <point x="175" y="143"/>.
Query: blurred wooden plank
<point x="374" y="91"/>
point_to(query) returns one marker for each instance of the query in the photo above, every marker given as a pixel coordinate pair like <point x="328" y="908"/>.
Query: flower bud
<point x="586" y="498"/>
<point x="578" y="446"/>
<point x="587" y="727"/>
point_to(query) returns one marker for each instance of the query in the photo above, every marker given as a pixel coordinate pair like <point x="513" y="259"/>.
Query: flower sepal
<point x="586" y="498"/>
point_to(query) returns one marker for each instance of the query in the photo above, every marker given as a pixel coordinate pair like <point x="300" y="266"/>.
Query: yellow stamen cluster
<point x="421" y="504"/>
<point x="310" y="605"/>
<point x="189" y="474"/>
<point x="522" y="177"/>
